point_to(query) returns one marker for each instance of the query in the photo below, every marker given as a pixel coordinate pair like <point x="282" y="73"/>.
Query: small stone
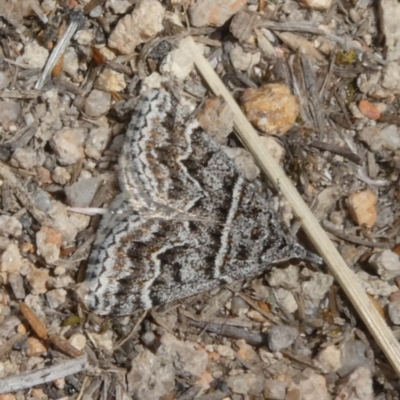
<point x="318" y="5"/>
<point x="4" y="80"/>
<point x="225" y="351"/>
<point x="67" y="146"/>
<point x="78" y="341"/>
<point x="148" y="338"/>
<point x="10" y="226"/>
<point x="97" y="141"/>
<point x="387" y="264"/>
<point x="274" y="389"/>
<point x="11" y="259"/>
<point x="48" y="242"/>
<point x="213" y="12"/>
<point x="34" y="55"/>
<point x="9" y="112"/>
<point x="179" y="62"/>
<point x="389" y="11"/>
<point x="216" y="118"/>
<point x="56" y="298"/>
<point x="35" y="347"/>
<point x="369" y="110"/>
<point x="104" y="340"/>
<point x="81" y="193"/>
<point x="362" y="207"/>
<point x="271" y="108"/>
<point x="9" y="396"/>
<point x="17" y="285"/>
<point x="111" y="81"/>
<point x="391" y="77"/>
<point x="38" y="278"/>
<point x="237" y="384"/>
<point x="238" y="306"/>
<point x="150" y="377"/>
<point x="144" y="23"/>
<point x="84" y="37"/>
<point x="281" y="337"/>
<point x="71" y="62"/>
<point x="309" y="386"/>
<point x="244" y="161"/>
<point x="27" y="158"/>
<point x="61" y="175"/>
<point x="119" y="6"/>
<point x="286" y="301"/>
<point x="184" y="356"/>
<point x="390" y="137"/>
<point x="354" y="355"/>
<point x="357" y="386"/>
<point x="330" y="359"/>
<point x="394" y="312"/>
<point x="97" y="103"/>
<point x="246" y="352"/>
<point x="316" y="288"/>
<point x="286" y="278"/>
<point x="243" y="60"/>
<point x="275" y="149"/>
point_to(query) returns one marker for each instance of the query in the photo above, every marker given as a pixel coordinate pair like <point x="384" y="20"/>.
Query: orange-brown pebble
<point x="38" y="393"/>
<point x="7" y="396"/>
<point x="369" y="110"/>
<point x="271" y="108"/>
<point x="362" y="207"/>
<point x="35" y="347"/>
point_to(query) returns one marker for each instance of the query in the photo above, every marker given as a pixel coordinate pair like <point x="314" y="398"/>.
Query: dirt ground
<point x="318" y="79"/>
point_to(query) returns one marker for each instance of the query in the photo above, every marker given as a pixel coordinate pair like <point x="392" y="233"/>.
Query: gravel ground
<point x="318" y="79"/>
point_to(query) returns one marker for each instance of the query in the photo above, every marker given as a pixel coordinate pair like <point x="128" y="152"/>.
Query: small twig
<point x="342" y="151"/>
<point x="132" y="332"/>
<point x="30" y="379"/>
<point x="76" y="20"/>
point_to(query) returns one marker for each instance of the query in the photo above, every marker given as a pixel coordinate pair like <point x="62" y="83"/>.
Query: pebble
<point x="67" y="145"/>
<point x="81" y="193"/>
<point x="9" y="396"/>
<point x="144" y="23"/>
<point x="354" y="355"/>
<point x="286" y="278"/>
<point x="318" y="5"/>
<point x="213" y="12"/>
<point x="389" y="11"/>
<point x="244" y="161"/>
<point x="394" y="312"/>
<point x="391" y="77"/>
<point x="377" y="138"/>
<point x="251" y="384"/>
<point x="308" y="386"/>
<point x="37" y="278"/>
<point x="330" y="359"/>
<point x="119" y="6"/>
<point x="35" y="347"/>
<point x="271" y="108"/>
<point x="316" y="288"/>
<point x="238" y="306"/>
<point x="275" y="149"/>
<point x="10" y="226"/>
<point x="78" y="341"/>
<point x="150" y="377"/>
<point x="362" y="207"/>
<point x="244" y="60"/>
<point x="286" y="300"/>
<point x="216" y="118"/>
<point x="148" y="338"/>
<point x="104" y="340"/>
<point x="48" y="242"/>
<point x="110" y="81"/>
<point x="60" y="175"/>
<point x="4" y="80"/>
<point x="27" y="158"/>
<point x="11" y="259"/>
<point x="246" y="352"/>
<point x="275" y="389"/>
<point x="369" y="110"/>
<point x="179" y="62"/>
<point x="281" y="337"/>
<point x="71" y="62"/>
<point x="9" y="112"/>
<point x="97" y="103"/>
<point x="357" y="386"/>
<point x="225" y="351"/>
<point x="17" y="285"/>
<point x="184" y="356"/>
<point x="56" y="298"/>
<point x="386" y="263"/>
<point x="34" y="55"/>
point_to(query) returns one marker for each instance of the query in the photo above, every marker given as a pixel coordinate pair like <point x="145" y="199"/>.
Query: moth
<point x="185" y="221"/>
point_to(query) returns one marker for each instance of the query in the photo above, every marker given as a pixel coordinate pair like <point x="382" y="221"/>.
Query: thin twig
<point x="30" y="379"/>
